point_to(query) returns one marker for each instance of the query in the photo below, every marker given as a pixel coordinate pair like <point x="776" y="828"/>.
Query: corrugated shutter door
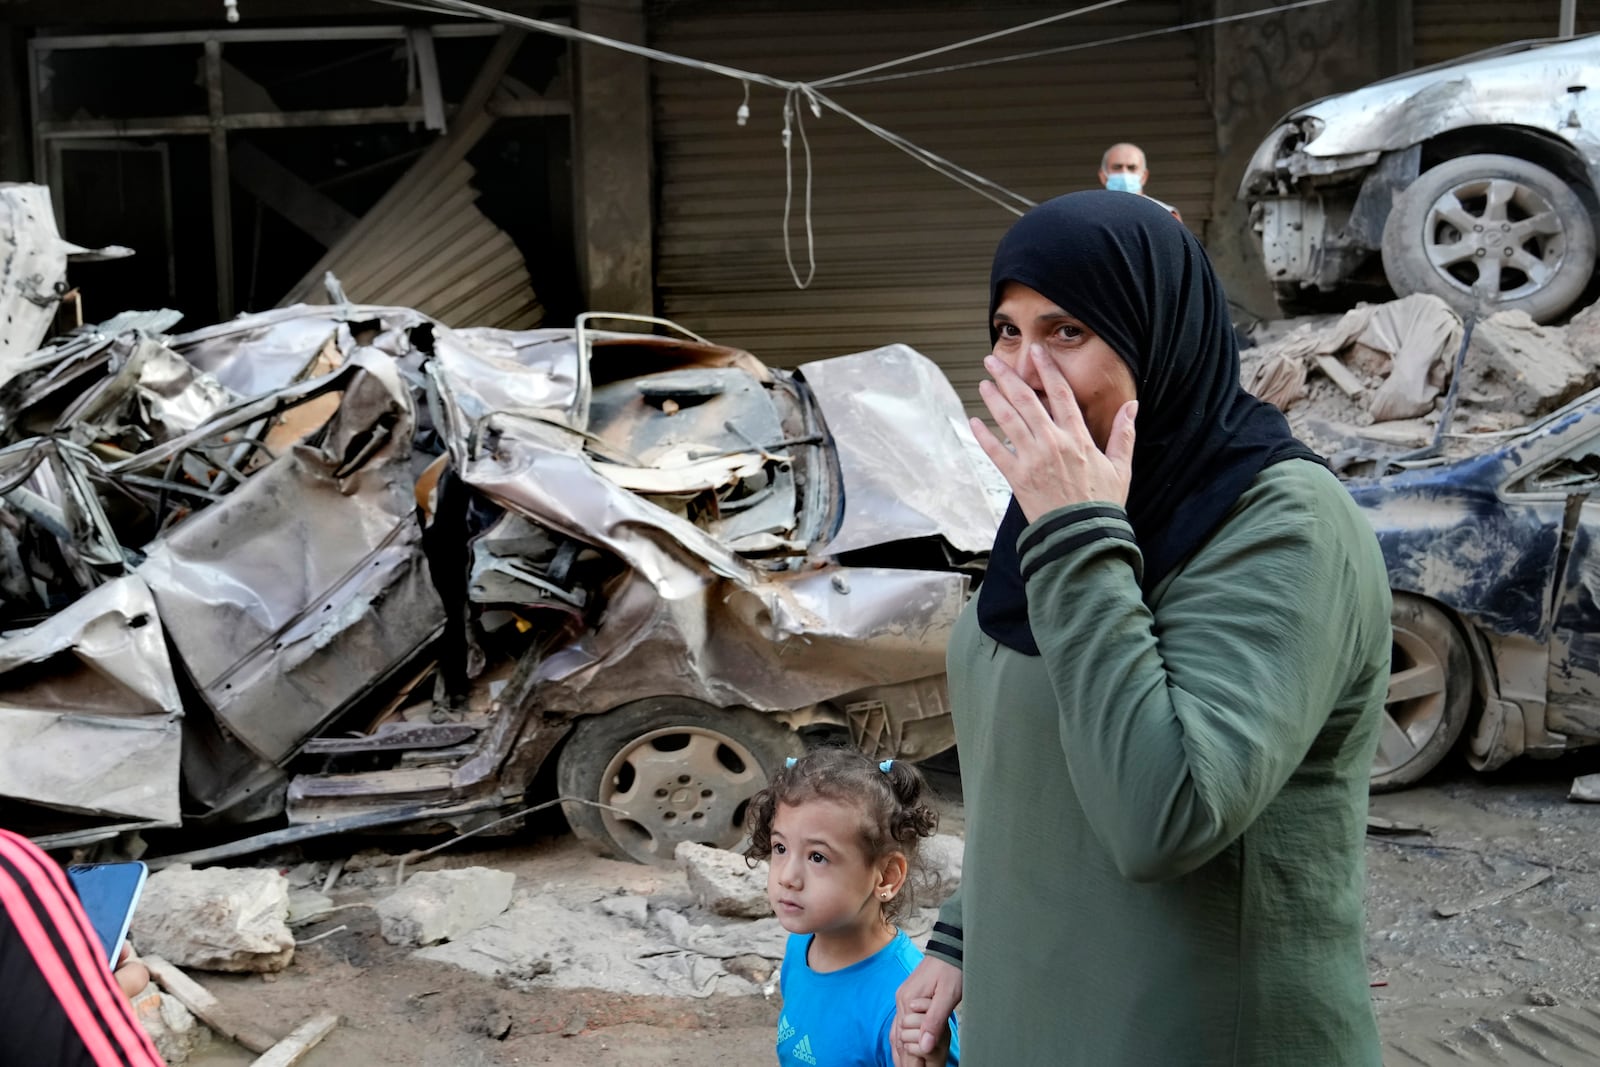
<point x="1449" y="29"/>
<point x="902" y="253"/>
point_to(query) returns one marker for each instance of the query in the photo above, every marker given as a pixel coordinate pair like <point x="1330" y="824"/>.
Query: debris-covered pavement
<point x="1482" y="915"/>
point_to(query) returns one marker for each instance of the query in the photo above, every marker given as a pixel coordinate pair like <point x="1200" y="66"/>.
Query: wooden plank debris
<point x="293" y="1048"/>
<point x="1340" y="375"/>
<point x="205" y="1007"/>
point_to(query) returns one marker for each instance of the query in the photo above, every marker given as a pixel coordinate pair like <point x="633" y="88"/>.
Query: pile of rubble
<point x="1375" y="381"/>
<point x="706" y="928"/>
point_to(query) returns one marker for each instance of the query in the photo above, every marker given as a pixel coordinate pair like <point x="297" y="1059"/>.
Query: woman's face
<point x="1099" y="378"/>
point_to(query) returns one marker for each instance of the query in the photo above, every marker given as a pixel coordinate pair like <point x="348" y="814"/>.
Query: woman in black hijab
<point x="1167" y="692"/>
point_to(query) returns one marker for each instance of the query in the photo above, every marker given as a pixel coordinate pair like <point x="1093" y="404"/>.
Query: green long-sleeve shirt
<point x="1165" y="808"/>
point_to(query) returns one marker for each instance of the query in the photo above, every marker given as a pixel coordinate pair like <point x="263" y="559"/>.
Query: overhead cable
<point x="845" y="81"/>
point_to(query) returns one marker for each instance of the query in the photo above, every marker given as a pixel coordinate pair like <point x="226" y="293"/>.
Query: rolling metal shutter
<point x="902" y="253"/>
<point x="1449" y="29"/>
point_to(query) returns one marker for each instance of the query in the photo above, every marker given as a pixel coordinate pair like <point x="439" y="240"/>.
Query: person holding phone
<point x="60" y="1004"/>
<point x="1167" y="692"/>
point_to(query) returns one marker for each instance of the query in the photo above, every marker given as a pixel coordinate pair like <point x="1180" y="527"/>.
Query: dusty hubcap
<point x="1414" y="710"/>
<point x="681" y="783"/>
<point x="1495" y="233"/>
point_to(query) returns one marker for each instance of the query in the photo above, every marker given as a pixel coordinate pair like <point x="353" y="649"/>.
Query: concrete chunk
<point x="217" y="919"/>
<point x="436" y="906"/>
<point x="176" y="1033"/>
<point x="940" y="856"/>
<point x="723" y="883"/>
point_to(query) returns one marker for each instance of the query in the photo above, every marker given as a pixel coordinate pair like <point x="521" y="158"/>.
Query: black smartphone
<point x="109" y="892"/>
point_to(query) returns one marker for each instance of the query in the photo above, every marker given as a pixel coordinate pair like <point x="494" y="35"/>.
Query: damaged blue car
<point x="1494" y="559"/>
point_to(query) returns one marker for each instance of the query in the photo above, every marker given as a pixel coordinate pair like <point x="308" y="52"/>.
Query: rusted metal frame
<point x="41" y="169"/>
<point x="287" y="34"/>
<point x="306" y="831"/>
<point x="180" y="125"/>
<point x="221" y="182"/>
<point x="169" y="486"/>
<point x="421" y="42"/>
<point x="467" y="126"/>
<point x="527" y="109"/>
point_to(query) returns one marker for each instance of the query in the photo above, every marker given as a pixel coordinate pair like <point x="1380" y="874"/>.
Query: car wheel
<point x="668" y="770"/>
<point x="1502" y="222"/>
<point x="1430" y="695"/>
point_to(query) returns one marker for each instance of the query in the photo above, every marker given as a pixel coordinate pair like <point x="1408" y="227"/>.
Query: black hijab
<point x="1137" y="277"/>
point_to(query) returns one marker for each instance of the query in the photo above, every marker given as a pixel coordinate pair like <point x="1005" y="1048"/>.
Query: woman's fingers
<point x="1064" y="410"/>
<point x="1001" y="456"/>
<point x="1119" y="446"/>
<point x="1031" y="418"/>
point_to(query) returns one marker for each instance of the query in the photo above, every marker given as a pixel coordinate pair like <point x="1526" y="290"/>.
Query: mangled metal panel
<point x="90" y="715"/>
<point x="910" y="464"/>
<point x="33" y="270"/>
<point x="691" y="617"/>
<point x="56" y="541"/>
<point x="288" y="600"/>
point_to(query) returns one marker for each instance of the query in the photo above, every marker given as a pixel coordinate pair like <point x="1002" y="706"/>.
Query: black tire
<point x="1430" y="695"/>
<point x="683" y="771"/>
<point x="1512" y="224"/>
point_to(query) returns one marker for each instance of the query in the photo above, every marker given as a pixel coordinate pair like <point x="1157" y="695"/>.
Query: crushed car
<point x="1494" y="557"/>
<point x="1474" y="180"/>
<point x="339" y="567"/>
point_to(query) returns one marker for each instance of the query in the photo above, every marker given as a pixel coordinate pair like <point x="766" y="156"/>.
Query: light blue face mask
<point x="1123" y="182"/>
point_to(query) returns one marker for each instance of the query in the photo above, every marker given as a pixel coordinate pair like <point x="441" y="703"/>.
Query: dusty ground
<point x="1508" y="981"/>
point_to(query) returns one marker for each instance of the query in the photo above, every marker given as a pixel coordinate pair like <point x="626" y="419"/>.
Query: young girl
<point x="840" y="833"/>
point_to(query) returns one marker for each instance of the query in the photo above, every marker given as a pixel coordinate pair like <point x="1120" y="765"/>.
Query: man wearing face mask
<point x="1123" y="170"/>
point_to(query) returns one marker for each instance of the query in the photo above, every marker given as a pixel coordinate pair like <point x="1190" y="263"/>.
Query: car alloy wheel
<point x="663" y="771"/>
<point x="1495" y="228"/>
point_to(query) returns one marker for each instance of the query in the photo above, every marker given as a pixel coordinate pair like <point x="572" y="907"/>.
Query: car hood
<point x="1526" y="87"/>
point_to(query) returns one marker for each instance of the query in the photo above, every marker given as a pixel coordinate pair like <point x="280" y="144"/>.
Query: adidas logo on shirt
<point x="785" y="1028"/>
<point x="802" y="1051"/>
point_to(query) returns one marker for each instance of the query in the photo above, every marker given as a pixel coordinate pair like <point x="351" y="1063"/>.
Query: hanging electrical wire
<point x="795" y="91"/>
<point x="845" y="81"/>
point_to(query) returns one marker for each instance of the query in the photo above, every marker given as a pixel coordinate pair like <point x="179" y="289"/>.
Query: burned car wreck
<point x="332" y="568"/>
<point x="1473" y="180"/>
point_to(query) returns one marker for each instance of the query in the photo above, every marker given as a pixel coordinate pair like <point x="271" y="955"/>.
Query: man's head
<point x="1123" y="168"/>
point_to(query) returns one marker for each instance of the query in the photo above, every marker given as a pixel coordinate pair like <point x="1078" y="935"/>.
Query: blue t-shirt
<point x="843" y="1018"/>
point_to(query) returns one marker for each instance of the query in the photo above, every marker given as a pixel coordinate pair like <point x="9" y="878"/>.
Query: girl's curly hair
<point x="895" y="814"/>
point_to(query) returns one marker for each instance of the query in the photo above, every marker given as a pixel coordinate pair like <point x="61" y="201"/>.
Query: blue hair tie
<point x="885" y="765"/>
<point x="790" y="762"/>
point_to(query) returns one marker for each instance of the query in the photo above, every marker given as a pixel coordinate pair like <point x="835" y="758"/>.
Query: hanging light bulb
<point x="232" y="8"/>
<point x="742" y="116"/>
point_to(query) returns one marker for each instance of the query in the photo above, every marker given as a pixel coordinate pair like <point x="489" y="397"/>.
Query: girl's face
<point x="1099" y="378"/>
<point x="820" y="879"/>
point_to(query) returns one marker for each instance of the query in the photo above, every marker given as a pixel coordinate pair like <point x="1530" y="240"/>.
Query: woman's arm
<point x="1178" y="729"/>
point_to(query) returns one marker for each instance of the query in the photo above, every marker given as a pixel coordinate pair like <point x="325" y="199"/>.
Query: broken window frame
<point x="217" y="122"/>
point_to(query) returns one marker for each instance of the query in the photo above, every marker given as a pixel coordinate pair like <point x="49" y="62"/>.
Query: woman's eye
<point x="1006" y="329"/>
<point x="1068" y="332"/>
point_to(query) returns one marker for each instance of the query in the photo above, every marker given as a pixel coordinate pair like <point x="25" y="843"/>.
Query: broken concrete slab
<point x="1531" y="365"/>
<point x="634" y="909"/>
<point x="217" y="919"/>
<point x="577" y="945"/>
<point x="723" y="882"/>
<point x="1586" y="788"/>
<point x="435" y="906"/>
<point x="177" y="1034"/>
